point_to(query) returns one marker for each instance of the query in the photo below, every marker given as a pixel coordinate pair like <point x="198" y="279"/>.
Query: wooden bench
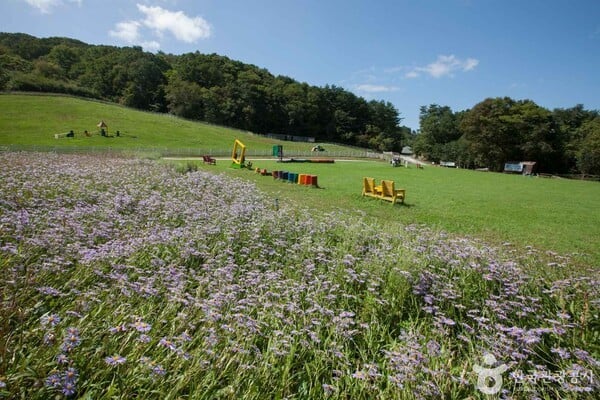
<point x="389" y="193"/>
<point x="386" y="191"/>
<point x="209" y="160"/>
<point x="62" y="135"/>
<point x="369" y="188"/>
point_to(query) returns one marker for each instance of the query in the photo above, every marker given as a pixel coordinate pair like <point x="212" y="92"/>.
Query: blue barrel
<point x="283" y="175"/>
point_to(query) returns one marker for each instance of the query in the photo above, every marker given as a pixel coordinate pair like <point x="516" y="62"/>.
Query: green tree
<point x="540" y="138"/>
<point x="569" y="121"/>
<point x="64" y="56"/>
<point x="491" y="133"/>
<point x="588" y="155"/>
<point x="438" y="128"/>
<point x="144" y="85"/>
<point x="184" y="99"/>
<point x="48" y="69"/>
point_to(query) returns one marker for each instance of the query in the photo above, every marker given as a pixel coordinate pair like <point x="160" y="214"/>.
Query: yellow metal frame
<point x="238" y="158"/>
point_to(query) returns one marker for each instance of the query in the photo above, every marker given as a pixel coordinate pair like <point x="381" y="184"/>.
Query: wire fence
<point x="158" y="152"/>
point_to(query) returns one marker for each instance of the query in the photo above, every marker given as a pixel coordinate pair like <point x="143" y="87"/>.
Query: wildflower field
<point x="124" y="278"/>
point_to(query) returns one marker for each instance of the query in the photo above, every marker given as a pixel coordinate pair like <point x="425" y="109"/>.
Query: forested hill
<point x="205" y="87"/>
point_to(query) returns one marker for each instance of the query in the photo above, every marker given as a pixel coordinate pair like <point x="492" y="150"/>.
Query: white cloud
<point x="46" y="6"/>
<point x="375" y="88"/>
<point x="160" y="21"/>
<point x="444" y="66"/>
<point x="128" y="31"/>
<point x="470" y="64"/>
<point x="177" y="23"/>
<point x="151" y="46"/>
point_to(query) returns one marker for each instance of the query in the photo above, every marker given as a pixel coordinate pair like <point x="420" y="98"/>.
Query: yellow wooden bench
<point x="389" y="193"/>
<point x="369" y="188"/>
<point x="385" y="191"/>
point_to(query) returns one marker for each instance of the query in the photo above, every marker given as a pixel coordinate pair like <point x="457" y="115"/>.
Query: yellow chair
<point x="389" y="193"/>
<point x="369" y="188"/>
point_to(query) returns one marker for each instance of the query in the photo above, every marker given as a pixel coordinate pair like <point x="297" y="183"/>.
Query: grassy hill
<point x="33" y="120"/>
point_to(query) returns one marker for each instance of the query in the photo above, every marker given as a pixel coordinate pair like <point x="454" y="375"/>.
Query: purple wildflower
<point x="49" y="291"/>
<point x="158" y="370"/>
<point x="53" y="380"/>
<point x="71" y="340"/>
<point x="62" y="359"/>
<point x="115" y="360"/>
<point x="433" y="348"/>
<point x="68" y="388"/>
<point x="49" y="338"/>
<point x="328" y="389"/>
<point x="70" y="375"/>
<point x="144" y="338"/>
<point x="52" y="320"/>
<point x="141" y="326"/>
<point x="118" y="329"/>
<point x="562" y="353"/>
<point x="167" y="343"/>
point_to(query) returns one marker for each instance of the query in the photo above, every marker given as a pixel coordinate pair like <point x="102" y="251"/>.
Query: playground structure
<point x="278" y="152"/>
<point x="300" y="179"/>
<point x="238" y="159"/>
<point x="238" y="155"/>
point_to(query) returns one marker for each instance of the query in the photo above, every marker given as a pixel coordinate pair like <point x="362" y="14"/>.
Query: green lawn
<point x="549" y="214"/>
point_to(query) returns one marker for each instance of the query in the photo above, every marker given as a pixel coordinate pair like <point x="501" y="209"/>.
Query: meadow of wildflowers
<point x="123" y="278"/>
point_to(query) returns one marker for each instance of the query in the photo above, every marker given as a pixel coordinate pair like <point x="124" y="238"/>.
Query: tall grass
<point x="130" y="279"/>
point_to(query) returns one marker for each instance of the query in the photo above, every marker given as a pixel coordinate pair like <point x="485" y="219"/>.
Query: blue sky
<point x="411" y="53"/>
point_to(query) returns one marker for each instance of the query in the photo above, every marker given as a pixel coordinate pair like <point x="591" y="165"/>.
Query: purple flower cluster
<point x="131" y="259"/>
<point x="64" y="382"/>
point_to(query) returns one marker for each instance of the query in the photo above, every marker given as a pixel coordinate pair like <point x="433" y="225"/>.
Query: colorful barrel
<point x="283" y="175"/>
<point x="313" y="180"/>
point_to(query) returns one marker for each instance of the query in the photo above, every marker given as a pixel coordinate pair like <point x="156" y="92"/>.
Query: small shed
<point x="528" y="167"/>
<point x="522" y="167"/>
<point x="448" y="164"/>
<point x="407" y="151"/>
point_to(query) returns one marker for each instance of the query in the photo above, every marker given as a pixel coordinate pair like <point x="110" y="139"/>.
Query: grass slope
<point x="33" y="120"/>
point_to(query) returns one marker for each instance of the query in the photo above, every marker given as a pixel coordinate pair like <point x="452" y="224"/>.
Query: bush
<point x="33" y="82"/>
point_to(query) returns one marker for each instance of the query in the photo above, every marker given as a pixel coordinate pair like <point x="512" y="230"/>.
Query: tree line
<point x="204" y="87"/>
<point x="216" y="89"/>
<point x="500" y="130"/>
